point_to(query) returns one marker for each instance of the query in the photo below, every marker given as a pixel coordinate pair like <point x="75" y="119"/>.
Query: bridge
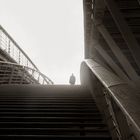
<point x="15" y="65"/>
<point x="106" y="106"/>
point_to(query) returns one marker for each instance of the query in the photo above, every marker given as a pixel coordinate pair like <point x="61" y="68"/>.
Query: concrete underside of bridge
<point x="112" y="35"/>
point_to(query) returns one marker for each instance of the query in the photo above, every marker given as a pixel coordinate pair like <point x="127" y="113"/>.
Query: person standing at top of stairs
<point x="72" y="79"/>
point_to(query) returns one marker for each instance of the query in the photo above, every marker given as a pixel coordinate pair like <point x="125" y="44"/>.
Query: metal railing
<point x="12" y="49"/>
<point x="11" y="73"/>
<point x="8" y="45"/>
<point x="118" y="101"/>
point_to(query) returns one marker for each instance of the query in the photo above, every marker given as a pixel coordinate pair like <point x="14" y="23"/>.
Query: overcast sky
<point x="49" y="31"/>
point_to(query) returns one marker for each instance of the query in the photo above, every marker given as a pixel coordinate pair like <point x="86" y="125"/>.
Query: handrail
<point x="38" y="76"/>
<point x="8" y="44"/>
<point x="122" y="95"/>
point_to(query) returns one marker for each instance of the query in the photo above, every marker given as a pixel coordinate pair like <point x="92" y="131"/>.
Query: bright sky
<point x="50" y="32"/>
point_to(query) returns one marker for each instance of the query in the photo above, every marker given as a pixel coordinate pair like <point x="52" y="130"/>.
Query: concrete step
<point x="54" y="137"/>
<point x="93" y="125"/>
<point x="52" y="131"/>
<point x="49" y="112"/>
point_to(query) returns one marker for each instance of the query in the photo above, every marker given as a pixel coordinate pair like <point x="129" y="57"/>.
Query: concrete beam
<point x="117" y="52"/>
<point x="124" y="29"/>
<point x="111" y="63"/>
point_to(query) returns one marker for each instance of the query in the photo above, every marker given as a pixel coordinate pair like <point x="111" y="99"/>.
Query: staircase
<point x="49" y="112"/>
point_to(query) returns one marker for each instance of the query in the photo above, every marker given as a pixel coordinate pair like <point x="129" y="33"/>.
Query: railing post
<point x="38" y="77"/>
<point x="10" y="79"/>
<point x="19" y="57"/>
<point x="9" y="47"/>
<point x="23" y="75"/>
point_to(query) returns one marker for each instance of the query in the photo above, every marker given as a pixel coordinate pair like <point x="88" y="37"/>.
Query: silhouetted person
<point x="72" y="79"/>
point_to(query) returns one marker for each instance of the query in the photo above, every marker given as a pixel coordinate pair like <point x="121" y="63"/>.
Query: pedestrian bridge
<point x="15" y="65"/>
<point x="106" y="106"/>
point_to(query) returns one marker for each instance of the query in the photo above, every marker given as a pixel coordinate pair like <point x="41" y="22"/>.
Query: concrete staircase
<point x="49" y="112"/>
